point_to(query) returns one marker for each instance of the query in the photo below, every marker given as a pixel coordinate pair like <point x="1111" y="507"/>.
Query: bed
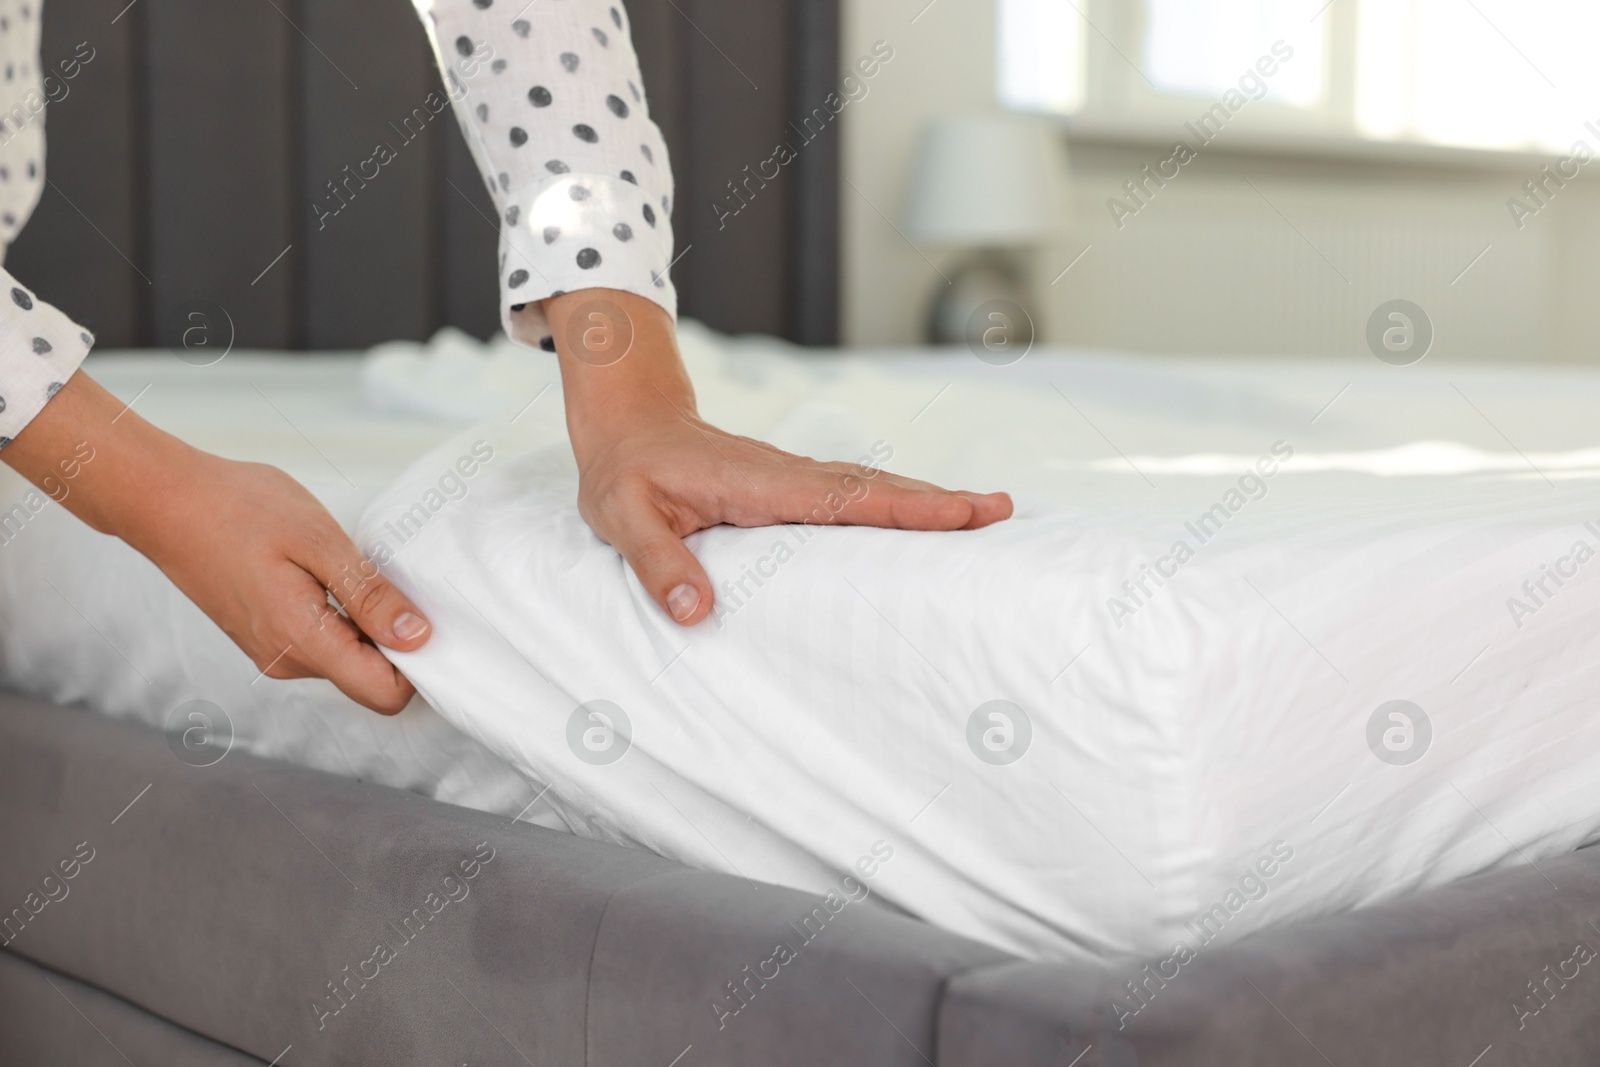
<point x="1436" y="958"/>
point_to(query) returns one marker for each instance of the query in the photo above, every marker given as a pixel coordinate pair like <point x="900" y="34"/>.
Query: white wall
<point x="1210" y="265"/>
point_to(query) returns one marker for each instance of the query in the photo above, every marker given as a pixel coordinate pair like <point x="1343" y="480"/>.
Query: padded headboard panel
<point x="188" y="153"/>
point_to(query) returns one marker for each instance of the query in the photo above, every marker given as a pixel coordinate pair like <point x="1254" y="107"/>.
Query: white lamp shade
<point x="986" y="180"/>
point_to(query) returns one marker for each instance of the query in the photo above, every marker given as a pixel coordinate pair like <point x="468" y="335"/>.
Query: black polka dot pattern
<point x="558" y="119"/>
<point x="40" y="348"/>
<point x="43" y="351"/>
<point x="22" y="114"/>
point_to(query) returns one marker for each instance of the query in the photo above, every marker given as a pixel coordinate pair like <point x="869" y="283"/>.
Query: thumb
<point x="379" y="610"/>
<point x="665" y="566"/>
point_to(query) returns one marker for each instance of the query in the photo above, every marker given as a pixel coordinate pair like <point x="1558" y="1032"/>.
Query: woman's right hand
<point x="244" y="541"/>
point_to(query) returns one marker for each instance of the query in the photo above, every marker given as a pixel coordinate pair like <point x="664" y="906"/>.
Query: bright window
<point x="1199" y="49"/>
<point x="1041" y="45"/>
<point x="1505" y="74"/>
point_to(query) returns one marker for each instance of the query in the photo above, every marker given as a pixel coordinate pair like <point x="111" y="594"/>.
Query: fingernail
<point x="410" y="625"/>
<point x="683" y="601"/>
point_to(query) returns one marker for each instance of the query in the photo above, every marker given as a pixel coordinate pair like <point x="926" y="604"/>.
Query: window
<point x="1493" y="74"/>
<point x="1041" y="56"/>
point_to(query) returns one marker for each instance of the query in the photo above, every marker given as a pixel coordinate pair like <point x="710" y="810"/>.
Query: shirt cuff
<point x="40" y="348"/>
<point x="582" y="231"/>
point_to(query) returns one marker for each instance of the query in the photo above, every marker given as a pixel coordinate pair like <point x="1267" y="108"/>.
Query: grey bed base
<point x="219" y="904"/>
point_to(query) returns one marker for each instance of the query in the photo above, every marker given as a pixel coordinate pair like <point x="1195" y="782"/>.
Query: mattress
<point x="1062" y="735"/>
<point x="1257" y="645"/>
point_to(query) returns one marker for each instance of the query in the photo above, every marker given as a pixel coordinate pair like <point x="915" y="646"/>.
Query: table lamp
<point x="993" y="184"/>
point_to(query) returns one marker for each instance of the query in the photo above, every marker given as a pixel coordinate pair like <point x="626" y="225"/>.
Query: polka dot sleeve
<point x="39" y="349"/>
<point x="549" y="95"/>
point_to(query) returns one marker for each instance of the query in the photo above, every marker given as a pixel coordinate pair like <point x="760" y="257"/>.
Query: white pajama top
<point x="549" y="96"/>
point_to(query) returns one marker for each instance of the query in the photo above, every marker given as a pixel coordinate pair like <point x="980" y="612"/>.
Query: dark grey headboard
<point x="188" y="153"/>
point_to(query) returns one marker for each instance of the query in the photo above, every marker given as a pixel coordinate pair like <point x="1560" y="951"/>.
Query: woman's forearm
<point x="96" y="457"/>
<point x="619" y="362"/>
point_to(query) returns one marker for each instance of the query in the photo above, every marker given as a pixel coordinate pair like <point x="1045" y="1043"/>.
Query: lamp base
<point x="982" y="278"/>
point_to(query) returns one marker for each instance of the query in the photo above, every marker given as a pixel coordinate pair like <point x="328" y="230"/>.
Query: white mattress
<point x="1207" y="757"/>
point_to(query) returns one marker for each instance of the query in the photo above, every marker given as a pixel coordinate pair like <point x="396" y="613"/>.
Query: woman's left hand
<point x="651" y="471"/>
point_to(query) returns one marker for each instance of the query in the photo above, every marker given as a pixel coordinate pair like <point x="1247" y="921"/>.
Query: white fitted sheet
<point x="1210" y="752"/>
<point x="829" y="711"/>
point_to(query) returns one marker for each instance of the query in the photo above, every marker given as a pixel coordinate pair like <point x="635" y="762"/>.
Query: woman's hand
<point x="244" y="541"/>
<point x="652" y="472"/>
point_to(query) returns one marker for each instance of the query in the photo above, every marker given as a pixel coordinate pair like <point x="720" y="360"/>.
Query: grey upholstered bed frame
<point x="218" y="904"/>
